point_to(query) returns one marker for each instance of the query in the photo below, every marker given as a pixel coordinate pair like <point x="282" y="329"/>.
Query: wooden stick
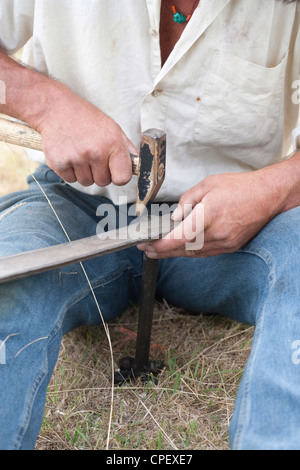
<point x="45" y="259"/>
<point x="17" y="133"/>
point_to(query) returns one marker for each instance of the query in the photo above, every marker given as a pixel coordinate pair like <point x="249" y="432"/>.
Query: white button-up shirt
<point x="227" y="96"/>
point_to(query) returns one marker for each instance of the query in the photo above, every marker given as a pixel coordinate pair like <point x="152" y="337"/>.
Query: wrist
<point x="47" y="94"/>
<point x="292" y="181"/>
<point x="29" y="95"/>
<point x="283" y="184"/>
<point x="33" y="100"/>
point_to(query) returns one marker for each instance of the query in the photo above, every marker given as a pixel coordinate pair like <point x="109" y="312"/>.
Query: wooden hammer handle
<point x="17" y="133"/>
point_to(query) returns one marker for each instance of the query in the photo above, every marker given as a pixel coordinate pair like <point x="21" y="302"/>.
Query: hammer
<point x="149" y="167"/>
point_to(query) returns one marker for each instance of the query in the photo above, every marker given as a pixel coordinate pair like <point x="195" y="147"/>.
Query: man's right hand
<point x="83" y="144"/>
<point x="80" y="142"/>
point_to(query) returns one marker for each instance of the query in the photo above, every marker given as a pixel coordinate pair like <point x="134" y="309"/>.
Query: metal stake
<point x="146" y="307"/>
<point x="140" y="365"/>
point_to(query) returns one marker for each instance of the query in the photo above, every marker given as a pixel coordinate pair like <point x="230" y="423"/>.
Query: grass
<point x="14" y="166"/>
<point x="188" y="408"/>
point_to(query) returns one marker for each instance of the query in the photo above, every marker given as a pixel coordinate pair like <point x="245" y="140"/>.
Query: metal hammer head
<point x="151" y="171"/>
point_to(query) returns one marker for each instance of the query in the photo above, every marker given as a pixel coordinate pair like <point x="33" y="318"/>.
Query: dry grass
<point x="14" y="166"/>
<point x="189" y="408"/>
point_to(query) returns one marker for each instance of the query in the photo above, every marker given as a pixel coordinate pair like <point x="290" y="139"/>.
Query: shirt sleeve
<point x="16" y="23"/>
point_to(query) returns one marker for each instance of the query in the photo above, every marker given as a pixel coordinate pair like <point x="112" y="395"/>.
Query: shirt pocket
<point x="240" y="103"/>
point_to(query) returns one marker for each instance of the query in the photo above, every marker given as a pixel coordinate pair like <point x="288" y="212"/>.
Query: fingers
<point x="84" y="175"/>
<point x="101" y="175"/>
<point x="186" y="235"/>
<point x="94" y="150"/>
<point x="95" y="167"/>
<point x="118" y="171"/>
<point x="208" y="250"/>
<point x="67" y="175"/>
<point x="185" y="239"/>
<point x="189" y="200"/>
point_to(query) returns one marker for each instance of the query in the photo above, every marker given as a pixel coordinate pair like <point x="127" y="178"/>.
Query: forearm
<point x="28" y="95"/>
<point x="80" y="142"/>
<point x="283" y="180"/>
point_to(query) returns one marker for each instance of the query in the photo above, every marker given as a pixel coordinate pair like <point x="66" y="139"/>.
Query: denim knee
<point x="280" y="238"/>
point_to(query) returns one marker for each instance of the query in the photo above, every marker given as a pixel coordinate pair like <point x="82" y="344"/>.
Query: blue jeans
<point x="258" y="285"/>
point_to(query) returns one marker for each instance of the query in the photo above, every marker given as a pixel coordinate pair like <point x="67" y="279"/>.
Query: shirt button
<point x="153" y="32"/>
<point x="156" y="92"/>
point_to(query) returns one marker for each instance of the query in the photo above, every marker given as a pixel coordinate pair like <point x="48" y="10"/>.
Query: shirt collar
<point x="203" y="16"/>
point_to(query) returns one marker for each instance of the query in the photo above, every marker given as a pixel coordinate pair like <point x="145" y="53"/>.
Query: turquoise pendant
<point x="179" y="18"/>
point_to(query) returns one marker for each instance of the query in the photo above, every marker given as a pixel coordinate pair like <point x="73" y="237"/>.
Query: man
<point x="223" y="86"/>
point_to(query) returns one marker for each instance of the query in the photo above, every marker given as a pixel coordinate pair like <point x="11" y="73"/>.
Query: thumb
<point x="191" y="229"/>
<point x="188" y="201"/>
<point x="181" y="212"/>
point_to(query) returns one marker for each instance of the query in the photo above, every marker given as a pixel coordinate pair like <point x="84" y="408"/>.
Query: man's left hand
<point x="235" y="207"/>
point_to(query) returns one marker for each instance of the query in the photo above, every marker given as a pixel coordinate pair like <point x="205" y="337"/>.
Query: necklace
<point x="179" y="17"/>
